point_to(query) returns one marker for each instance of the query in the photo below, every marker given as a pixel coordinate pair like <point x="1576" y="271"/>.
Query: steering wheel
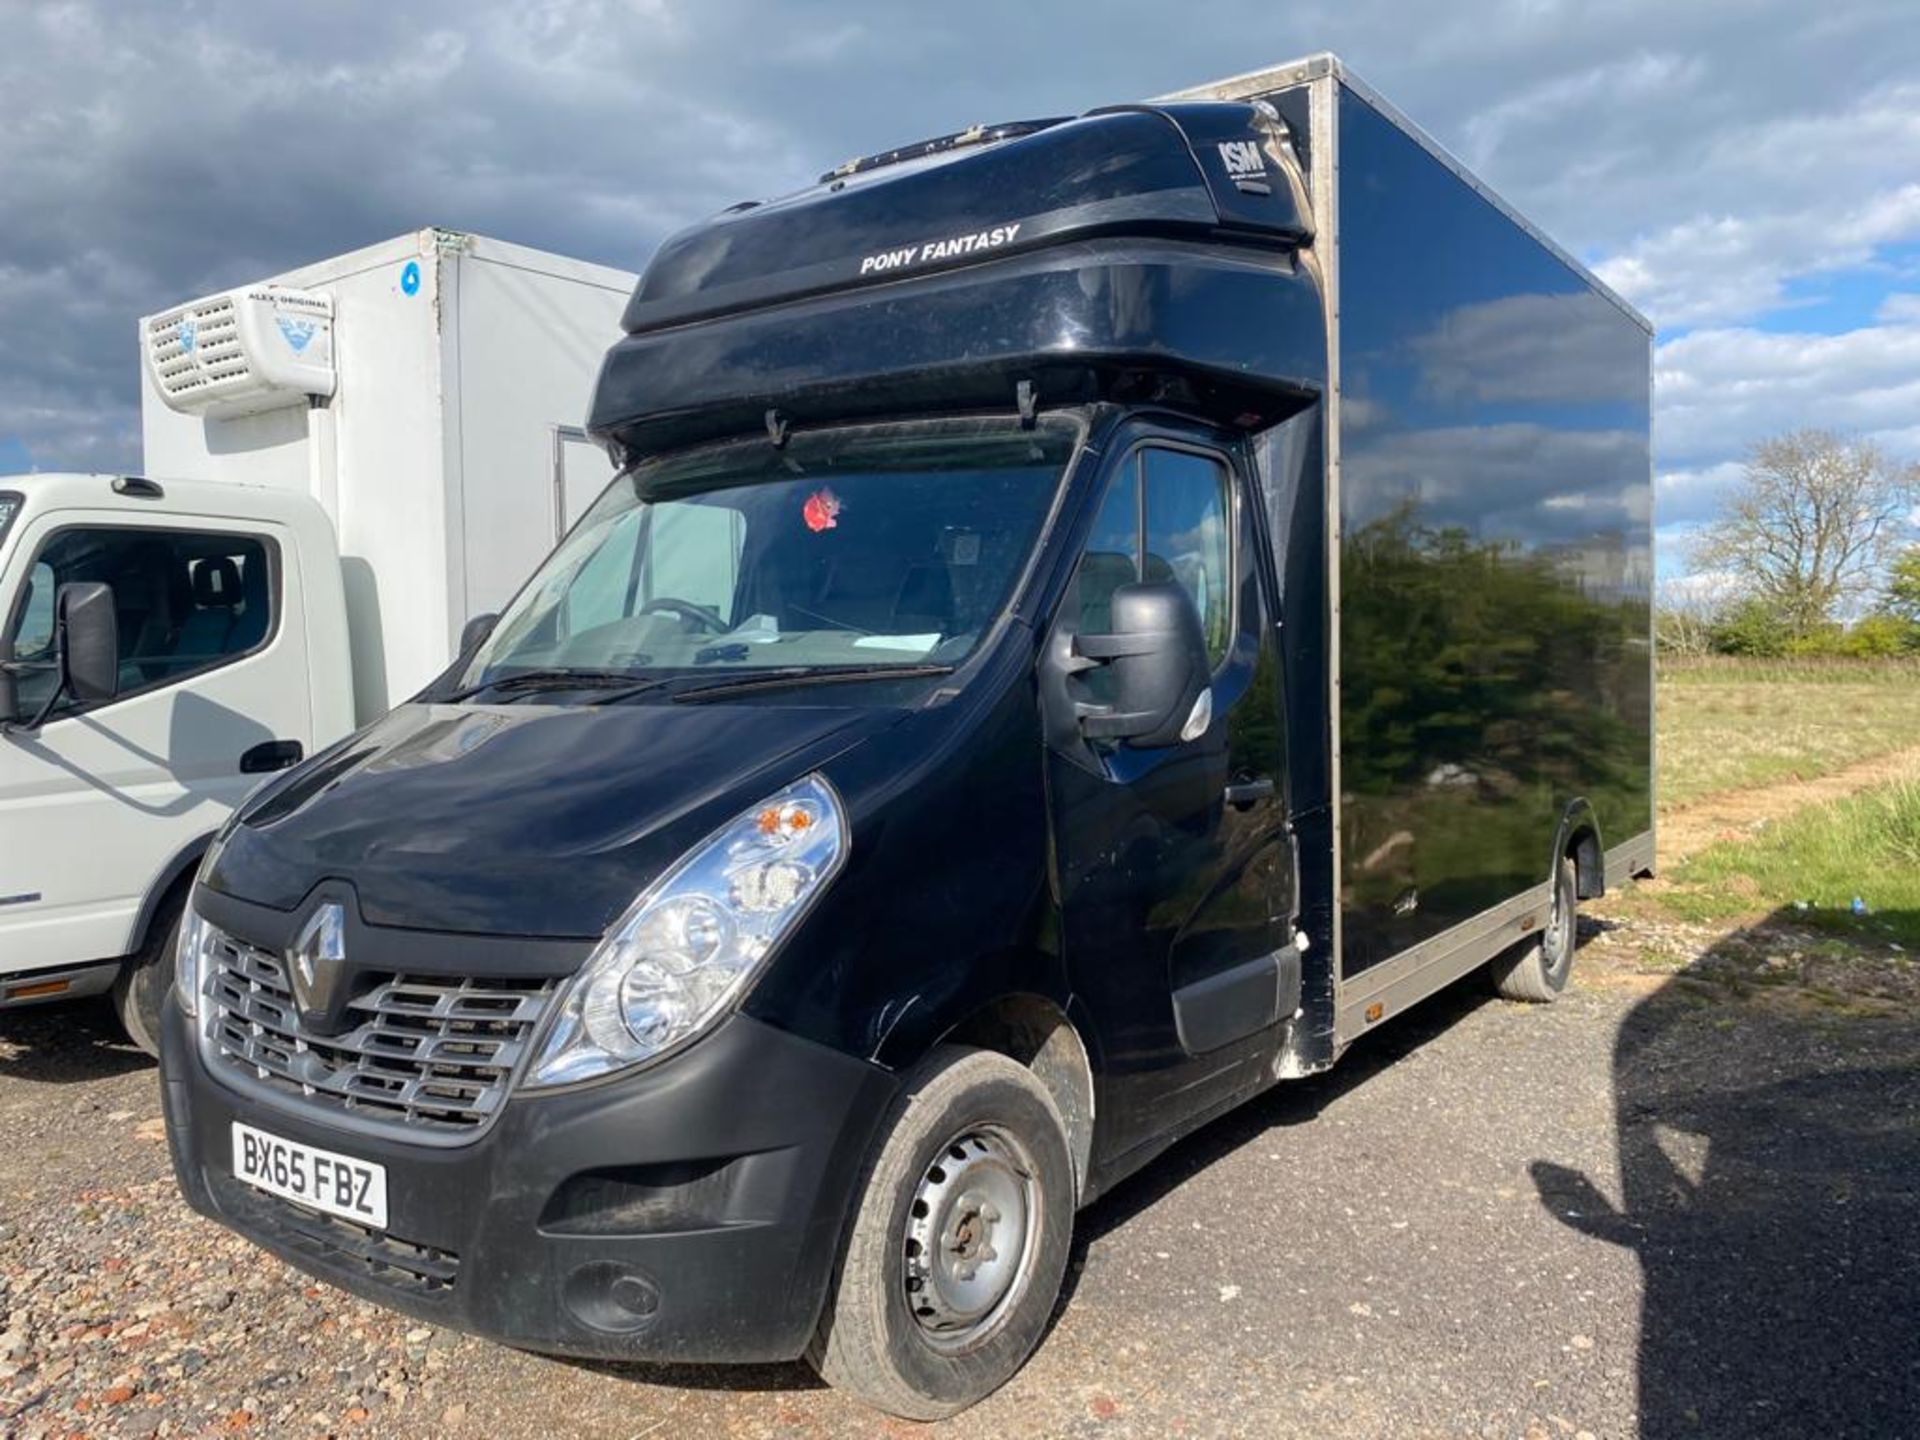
<point x="712" y="620"/>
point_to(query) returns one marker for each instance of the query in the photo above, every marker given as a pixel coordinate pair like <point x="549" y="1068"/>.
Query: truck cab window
<point x="695" y="554"/>
<point x="185" y="601"/>
<point x="1186" y="534"/>
<point x="872" y="546"/>
<point x="35" y="637"/>
<point x="1165" y="517"/>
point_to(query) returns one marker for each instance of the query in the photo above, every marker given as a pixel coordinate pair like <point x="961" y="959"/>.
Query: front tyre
<point x="140" y="990"/>
<point x="959" y="1243"/>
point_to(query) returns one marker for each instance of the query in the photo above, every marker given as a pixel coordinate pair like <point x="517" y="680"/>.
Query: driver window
<point x="1186" y="535"/>
<point x="1164" y="518"/>
<point x="184" y="601"/>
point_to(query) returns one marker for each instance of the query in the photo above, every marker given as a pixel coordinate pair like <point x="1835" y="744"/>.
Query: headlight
<point x="688" y="947"/>
<point x="197" y="938"/>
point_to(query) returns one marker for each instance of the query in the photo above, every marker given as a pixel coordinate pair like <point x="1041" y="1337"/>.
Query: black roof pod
<point x="1137" y="169"/>
<point x="940" y="144"/>
<point x="1144" y="238"/>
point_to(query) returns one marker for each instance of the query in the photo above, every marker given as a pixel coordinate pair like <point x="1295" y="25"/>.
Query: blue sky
<point x="1748" y="173"/>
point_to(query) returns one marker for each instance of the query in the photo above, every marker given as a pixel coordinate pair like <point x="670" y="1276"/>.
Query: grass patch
<point x="1738" y="670"/>
<point x="1731" y="724"/>
<point x="1868" y="845"/>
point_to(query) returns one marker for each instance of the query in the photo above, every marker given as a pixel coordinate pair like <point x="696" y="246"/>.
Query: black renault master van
<point x="1068" y="645"/>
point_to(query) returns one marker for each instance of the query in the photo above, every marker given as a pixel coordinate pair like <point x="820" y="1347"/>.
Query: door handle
<point x="271" y="755"/>
<point x="1243" y="793"/>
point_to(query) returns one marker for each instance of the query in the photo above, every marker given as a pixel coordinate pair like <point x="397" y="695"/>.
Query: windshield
<point x="876" y="546"/>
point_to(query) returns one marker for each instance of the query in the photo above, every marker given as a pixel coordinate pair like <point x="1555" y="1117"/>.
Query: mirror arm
<point x="30" y="667"/>
<point x="28" y="727"/>
<point x="1100" y="722"/>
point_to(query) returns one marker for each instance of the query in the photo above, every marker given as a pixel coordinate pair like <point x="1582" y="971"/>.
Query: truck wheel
<point x="1537" y="971"/>
<point x="954" y="1260"/>
<point x="141" y="988"/>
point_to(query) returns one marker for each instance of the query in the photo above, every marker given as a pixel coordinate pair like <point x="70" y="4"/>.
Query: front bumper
<point x="691" y="1212"/>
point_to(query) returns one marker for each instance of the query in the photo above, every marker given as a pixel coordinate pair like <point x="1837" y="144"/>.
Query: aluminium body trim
<point x="1316" y="67"/>
<point x="1653" y="646"/>
<point x="1324" y="113"/>
<point x="1418" y="971"/>
<point x="1630" y="858"/>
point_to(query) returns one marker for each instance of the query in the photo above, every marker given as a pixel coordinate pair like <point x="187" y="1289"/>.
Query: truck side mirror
<point x="475" y="632"/>
<point x="1156" y="653"/>
<point x="90" y="641"/>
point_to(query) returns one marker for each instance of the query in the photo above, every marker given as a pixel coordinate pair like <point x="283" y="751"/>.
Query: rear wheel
<point x="955" y="1257"/>
<point x="141" y="988"/>
<point x="1537" y="971"/>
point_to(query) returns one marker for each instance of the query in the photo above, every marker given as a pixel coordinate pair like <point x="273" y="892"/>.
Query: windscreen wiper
<point x="792" y="675"/>
<point x="551" y="679"/>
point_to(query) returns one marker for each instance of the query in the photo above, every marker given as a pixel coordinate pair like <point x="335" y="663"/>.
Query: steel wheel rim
<point x="1557" y="944"/>
<point x="972" y="1230"/>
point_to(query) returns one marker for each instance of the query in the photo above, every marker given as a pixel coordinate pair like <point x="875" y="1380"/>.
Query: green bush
<point x="1881" y="637"/>
<point x="1752" y="628"/>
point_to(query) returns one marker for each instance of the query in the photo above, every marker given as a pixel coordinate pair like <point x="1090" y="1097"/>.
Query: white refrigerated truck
<point x="342" y="465"/>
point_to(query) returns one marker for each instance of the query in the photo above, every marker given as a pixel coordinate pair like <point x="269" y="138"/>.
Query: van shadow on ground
<point x="1770" y="1169"/>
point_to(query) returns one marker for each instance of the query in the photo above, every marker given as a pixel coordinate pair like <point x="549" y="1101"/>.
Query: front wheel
<point x="1537" y="970"/>
<point x="959" y="1243"/>
<point x="140" y="990"/>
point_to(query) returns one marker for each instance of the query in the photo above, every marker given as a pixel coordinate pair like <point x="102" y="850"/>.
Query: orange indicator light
<point x="784" y="821"/>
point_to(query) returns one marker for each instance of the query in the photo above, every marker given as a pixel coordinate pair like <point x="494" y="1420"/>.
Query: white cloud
<point x="1699" y="592"/>
<point x="1732" y="267"/>
<point x="1718" y="391"/>
<point x="1689" y="496"/>
<point x="1637" y="79"/>
<point x="1899" y="309"/>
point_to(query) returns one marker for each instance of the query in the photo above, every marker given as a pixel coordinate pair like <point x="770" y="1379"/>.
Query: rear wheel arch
<point x="1579" y="838"/>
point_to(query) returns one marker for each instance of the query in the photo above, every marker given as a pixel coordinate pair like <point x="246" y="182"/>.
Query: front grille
<point x="422" y="1053"/>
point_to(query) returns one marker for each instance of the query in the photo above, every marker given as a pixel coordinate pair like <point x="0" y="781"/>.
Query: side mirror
<point x="1157" y="656"/>
<point x="475" y="632"/>
<point x="90" y="641"/>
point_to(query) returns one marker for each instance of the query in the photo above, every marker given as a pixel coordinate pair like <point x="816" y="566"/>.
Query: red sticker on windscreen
<point x="821" y="511"/>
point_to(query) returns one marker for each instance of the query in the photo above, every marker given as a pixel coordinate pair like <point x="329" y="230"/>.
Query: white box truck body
<point x="342" y="464"/>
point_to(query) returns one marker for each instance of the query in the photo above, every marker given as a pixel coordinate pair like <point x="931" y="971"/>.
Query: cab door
<point x="101" y="800"/>
<point x="1175" y="868"/>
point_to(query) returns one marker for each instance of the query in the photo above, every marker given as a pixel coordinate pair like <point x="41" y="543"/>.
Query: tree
<point x="1902" y="597"/>
<point x="1685" y="611"/>
<point x="1812" y="526"/>
<point x="1752" y="628"/>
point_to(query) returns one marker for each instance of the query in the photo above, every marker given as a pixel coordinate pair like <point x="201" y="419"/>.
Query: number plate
<point x="338" y="1184"/>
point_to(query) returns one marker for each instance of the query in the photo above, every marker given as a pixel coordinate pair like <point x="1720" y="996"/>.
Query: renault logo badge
<point x="317" y="966"/>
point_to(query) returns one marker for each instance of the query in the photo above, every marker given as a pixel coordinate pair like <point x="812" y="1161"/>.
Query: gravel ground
<point x="1660" y="1207"/>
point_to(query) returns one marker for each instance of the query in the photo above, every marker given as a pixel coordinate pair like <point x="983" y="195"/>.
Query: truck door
<point x="1175" y="866"/>
<point x="97" y="804"/>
